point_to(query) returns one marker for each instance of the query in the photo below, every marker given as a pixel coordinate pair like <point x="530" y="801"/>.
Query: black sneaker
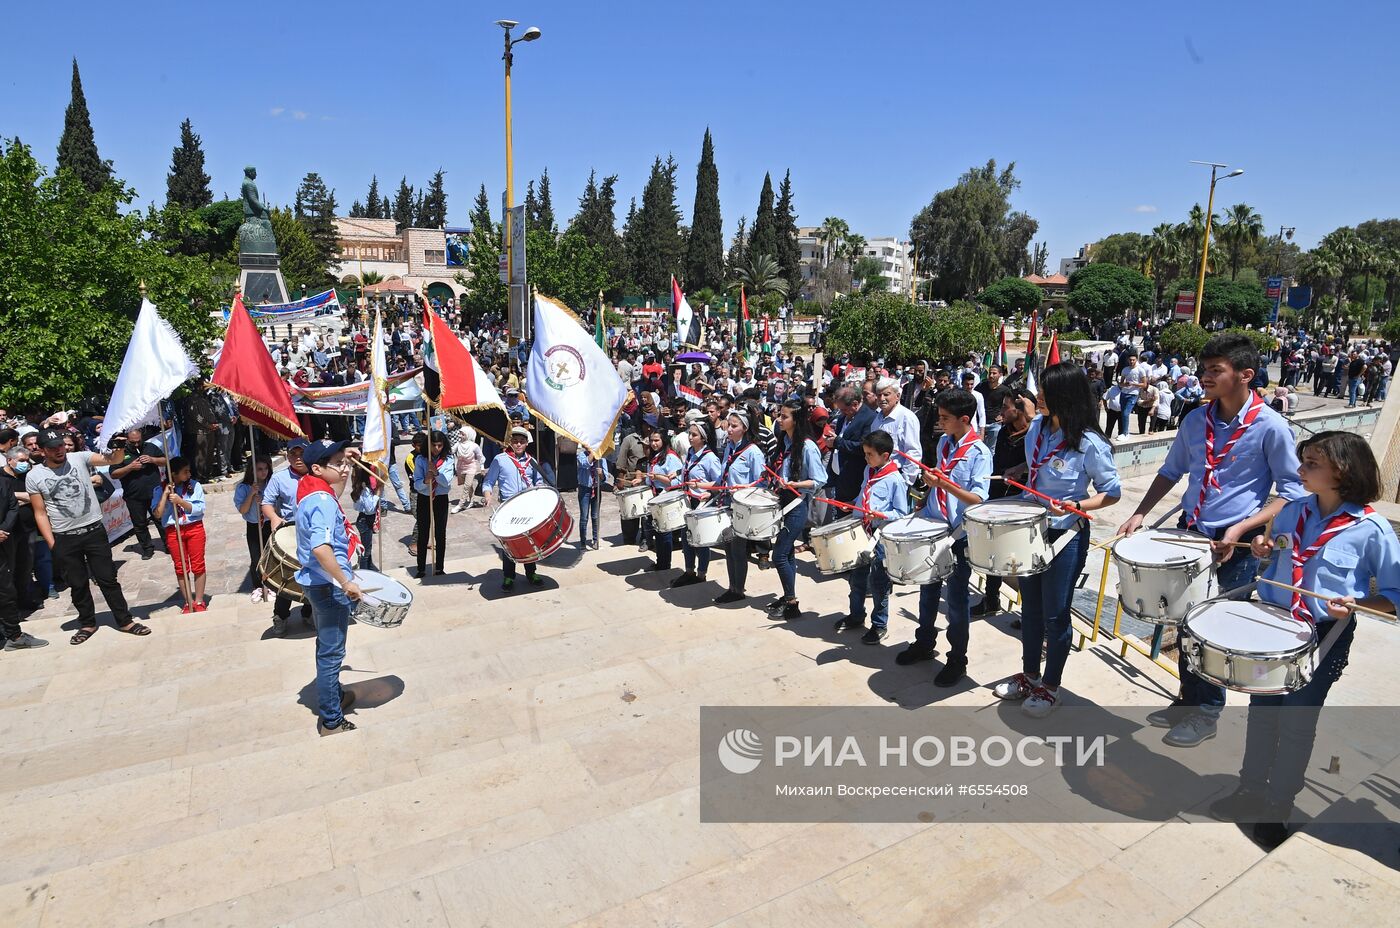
<point x="792" y="611"/>
<point x="685" y="579"/>
<point x="345" y="725"/>
<point x="915" y="653"/>
<point x="729" y="596"/>
<point x="657" y="568"/>
<point x="1016" y="622"/>
<point x="873" y="635"/>
<point x="952" y="672"/>
<point x="778" y="605"/>
<point x="1269" y="835"/>
<point x="1243" y="803"/>
<point x="987" y="607"/>
<point x="147" y="555"/>
<point x="849" y="623"/>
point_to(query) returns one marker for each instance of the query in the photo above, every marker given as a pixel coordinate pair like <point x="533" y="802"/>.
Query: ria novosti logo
<point x="740" y="751"/>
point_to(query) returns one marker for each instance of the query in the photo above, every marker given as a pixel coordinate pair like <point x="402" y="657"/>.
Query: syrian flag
<point x="691" y="395"/>
<point x="1030" y="342"/>
<point x="767" y="347"/>
<point x="687" y="323"/>
<point x="455" y="382"/>
<point x="1053" y="355"/>
<point x="1002" y="359"/>
<point x="600" y="335"/>
<point x="746" y="336"/>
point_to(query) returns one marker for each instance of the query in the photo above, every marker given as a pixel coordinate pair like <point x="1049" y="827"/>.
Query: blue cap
<point x="319" y="452"/>
<point x="298" y="443"/>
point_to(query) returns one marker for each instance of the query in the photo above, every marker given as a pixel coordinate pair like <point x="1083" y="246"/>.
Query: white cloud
<point x="277" y="110"/>
<point x="327" y="118"/>
<point x="1144" y="209"/>
<point x="298" y="114"/>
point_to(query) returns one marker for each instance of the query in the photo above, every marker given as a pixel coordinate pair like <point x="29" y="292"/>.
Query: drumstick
<point x="850" y="506"/>
<point x="1106" y="544"/>
<point x="1049" y="499"/>
<point x="1175" y="540"/>
<point x="1388" y="616"/>
<point x="932" y="470"/>
<point x="770" y="473"/>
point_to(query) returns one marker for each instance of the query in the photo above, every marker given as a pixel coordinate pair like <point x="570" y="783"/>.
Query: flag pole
<point x="430" y="473"/>
<point x="185" y="583"/>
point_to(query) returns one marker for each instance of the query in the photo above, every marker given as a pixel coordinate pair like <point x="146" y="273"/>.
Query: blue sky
<point x="873" y="107"/>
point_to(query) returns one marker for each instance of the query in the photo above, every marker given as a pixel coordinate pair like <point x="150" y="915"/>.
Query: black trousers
<point x="140" y="509"/>
<point x="439" y="530"/>
<point x="630" y="531"/>
<point x="9" y="596"/>
<point x="255" y="547"/>
<point x="24" y="570"/>
<point x="86" y="555"/>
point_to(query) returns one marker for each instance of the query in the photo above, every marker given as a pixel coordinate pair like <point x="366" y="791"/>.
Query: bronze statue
<point x="255" y="234"/>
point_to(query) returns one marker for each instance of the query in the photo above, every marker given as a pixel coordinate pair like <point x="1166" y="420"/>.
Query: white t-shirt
<point x="1132" y="379"/>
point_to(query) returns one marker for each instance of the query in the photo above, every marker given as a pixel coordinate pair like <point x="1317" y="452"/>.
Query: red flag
<point x="1030" y="342"/>
<point x="1053" y="355"/>
<point x="454" y="380"/>
<point x="247" y="373"/>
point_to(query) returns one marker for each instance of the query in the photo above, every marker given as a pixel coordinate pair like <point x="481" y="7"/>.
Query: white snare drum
<point x="386" y="606"/>
<point x="1008" y="537"/>
<point x="633" y="501"/>
<point x="667" y="510"/>
<point x="1163" y="574"/>
<point x="532" y="524"/>
<point x="709" y="526"/>
<point x="842" y="545"/>
<point x="757" y="515"/>
<point x="917" y="550"/>
<point x="1249" y="647"/>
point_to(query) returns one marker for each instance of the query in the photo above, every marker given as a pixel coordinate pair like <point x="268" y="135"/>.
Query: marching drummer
<point x="883" y="496"/>
<point x="1065" y="453"/>
<point x="279" y="505"/>
<point x="701" y="469"/>
<point x="963" y="479"/>
<point x="510" y="473"/>
<point x="663" y="468"/>
<point x="798" y="464"/>
<point x="1234" y="452"/>
<point x="1337" y="545"/>
<point x="631" y="452"/>
<point x="742" y="467"/>
<point x="327" y="544"/>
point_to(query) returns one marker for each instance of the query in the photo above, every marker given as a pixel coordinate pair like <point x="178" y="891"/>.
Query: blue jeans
<point x="958" y="613"/>
<point x="1129" y="404"/>
<point x="1045" y="602"/>
<point x="990" y="433"/>
<point x="783" y="559"/>
<point x="1282" y="729"/>
<point x="365" y="524"/>
<point x="586" y="510"/>
<point x="397" y="480"/>
<point x="331" y="608"/>
<point x="1352" y="389"/>
<point x="697" y="560"/>
<point x="1238" y="571"/>
<point x="663" y="543"/>
<point x="872" y="579"/>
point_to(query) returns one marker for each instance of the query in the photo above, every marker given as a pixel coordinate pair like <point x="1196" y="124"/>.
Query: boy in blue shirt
<point x="511" y="472"/>
<point x="885" y="496"/>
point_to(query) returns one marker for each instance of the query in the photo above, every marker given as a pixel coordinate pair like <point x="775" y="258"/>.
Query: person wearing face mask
<point x="14" y="536"/>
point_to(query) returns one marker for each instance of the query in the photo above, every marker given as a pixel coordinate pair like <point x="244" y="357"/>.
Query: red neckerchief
<point x="1215" y="458"/>
<point x="873" y="477"/>
<point x="691" y="459"/>
<point x="659" y="457"/>
<point x="1301" y="611"/>
<point x="1036" y="462"/>
<point x="312" y="484"/>
<point x="946" y="464"/>
<point x="182" y="517"/>
<point x="523" y="468"/>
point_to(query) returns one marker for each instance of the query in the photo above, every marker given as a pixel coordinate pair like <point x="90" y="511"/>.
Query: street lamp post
<point x="530" y="35"/>
<point x="1283" y="232"/>
<point x="1205" y="243"/>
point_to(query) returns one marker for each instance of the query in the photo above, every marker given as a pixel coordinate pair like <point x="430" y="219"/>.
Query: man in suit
<point x="855" y="421"/>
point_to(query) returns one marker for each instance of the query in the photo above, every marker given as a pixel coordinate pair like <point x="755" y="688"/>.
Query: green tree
<point x="357" y="210"/>
<point x="77" y="149"/>
<point x="763" y="237"/>
<point x="655" y="247"/>
<point x="375" y="207"/>
<point x="568" y="267"/>
<point x="1183" y="340"/>
<point x="866" y="271"/>
<point x="596" y="221"/>
<point x="789" y="252"/>
<point x="1100" y="292"/>
<point x="434" y="214"/>
<point x="968" y="236"/>
<point x="531" y="206"/>
<point x="1040" y="258"/>
<point x="1010" y="295"/>
<point x="961" y="329"/>
<point x="543" y="216"/>
<point x="315" y="210"/>
<point x="891" y="326"/>
<point x="301" y="259"/>
<point x="403" y="206"/>
<point x="704" y="259"/>
<point x="219" y="224"/>
<point x="738" y="253"/>
<point x="1235" y="303"/>
<point x="1126" y="249"/>
<point x="1240" y="235"/>
<point x="485" y="292"/>
<point x="187" y="186"/>
<point x="70" y="267"/>
<point x="1166" y="255"/>
<point x="760" y="277"/>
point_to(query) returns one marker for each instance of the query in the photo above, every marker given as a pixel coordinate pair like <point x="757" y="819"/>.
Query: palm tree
<point x="761" y="276"/>
<point x="853" y="249"/>
<point x="834" y="232"/>
<point x="1165" y="254"/>
<point x="371" y="277"/>
<point x="1193" y="230"/>
<point x="1242" y="230"/>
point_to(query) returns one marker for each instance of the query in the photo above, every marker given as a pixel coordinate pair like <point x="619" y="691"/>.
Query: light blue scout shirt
<point x="195" y="498"/>
<point x="320" y="522"/>
<point x="670" y="464"/>
<point x="446" y="471"/>
<point x="1263" y="458"/>
<point x="585" y="470"/>
<point x="240" y="496"/>
<point x="888" y="496"/>
<point x="281" y="493"/>
<point x="1343" y="567"/>
<point x="505" y="477"/>
<point x="700" y="467"/>
<point x="972" y="472"/>
<point x="812" y="467"/>
<point x="367" y="503"/>
<point x="1065" y="473"/>
<point x="742" y="464"/>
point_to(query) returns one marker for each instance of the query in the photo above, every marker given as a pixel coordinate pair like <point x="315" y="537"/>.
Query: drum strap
<point x="1036" y="462"/>
<point x="1209" y="481"/>
<point x="691" y="460"/>
<point x="873" y="477"/>
<point x="1337" y="524"/>
<point x="729" y="460"/>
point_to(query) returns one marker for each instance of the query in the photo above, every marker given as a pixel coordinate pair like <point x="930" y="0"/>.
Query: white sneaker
<point x="257" y="595"/>
<point x="1042" y="700"/>
<point x="457" y="507"/>
<point x="1018" y="687"/>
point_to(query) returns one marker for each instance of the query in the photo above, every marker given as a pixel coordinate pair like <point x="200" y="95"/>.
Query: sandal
<point x="81" y="635"/>
<point x="135" y="628"/>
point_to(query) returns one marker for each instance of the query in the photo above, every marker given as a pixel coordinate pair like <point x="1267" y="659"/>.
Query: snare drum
<point x="1249" y="647"/>
<point x="1163" y="574"/>
<point x="385" y="607"/>
<point x="709" y="526"/>
<point x="1008" y="537"/>
<point x="917" y="550"/>
<point x="842" y="545"/>
<point x="532" y="525"/>
<point x="757" y="516"/>
<point x="279" y="564"/>
<point x="633" y="501"/>
<point x="667" y="510"/>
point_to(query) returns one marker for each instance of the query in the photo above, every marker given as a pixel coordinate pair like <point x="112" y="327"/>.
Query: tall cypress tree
<point x="434" y="212"/>
<point x="763" y="239"/>
<point x="357" y="210"/>
<point x="374" y="206"/>
<point x="789" y="252"/>
<point x="315" y="210"/>
<point x="481" y="210"/>
<point x="596" y="221"/>
<point x="531" y="206"/>
<point x="187" y="185"/>
<point x="77" y="150"/>
<point x="704" y="260"/>
<point x="659" y="247"/>
<point x="544" y="206"/>
<point x="403" y="206"/>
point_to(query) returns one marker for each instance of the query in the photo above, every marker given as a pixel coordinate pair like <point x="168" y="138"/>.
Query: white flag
<point x="570" y="382"/>
<point x="376" y="438"/>
<point x="155" y="364"/>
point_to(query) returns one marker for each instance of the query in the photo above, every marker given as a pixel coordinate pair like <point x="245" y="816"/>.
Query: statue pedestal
<point x="260" y="279"/>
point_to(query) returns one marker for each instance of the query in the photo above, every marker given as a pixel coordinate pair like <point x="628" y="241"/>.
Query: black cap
<point x="51" y="438"/>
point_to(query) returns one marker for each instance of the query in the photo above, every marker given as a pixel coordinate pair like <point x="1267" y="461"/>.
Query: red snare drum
<point x="532" y="525"/>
